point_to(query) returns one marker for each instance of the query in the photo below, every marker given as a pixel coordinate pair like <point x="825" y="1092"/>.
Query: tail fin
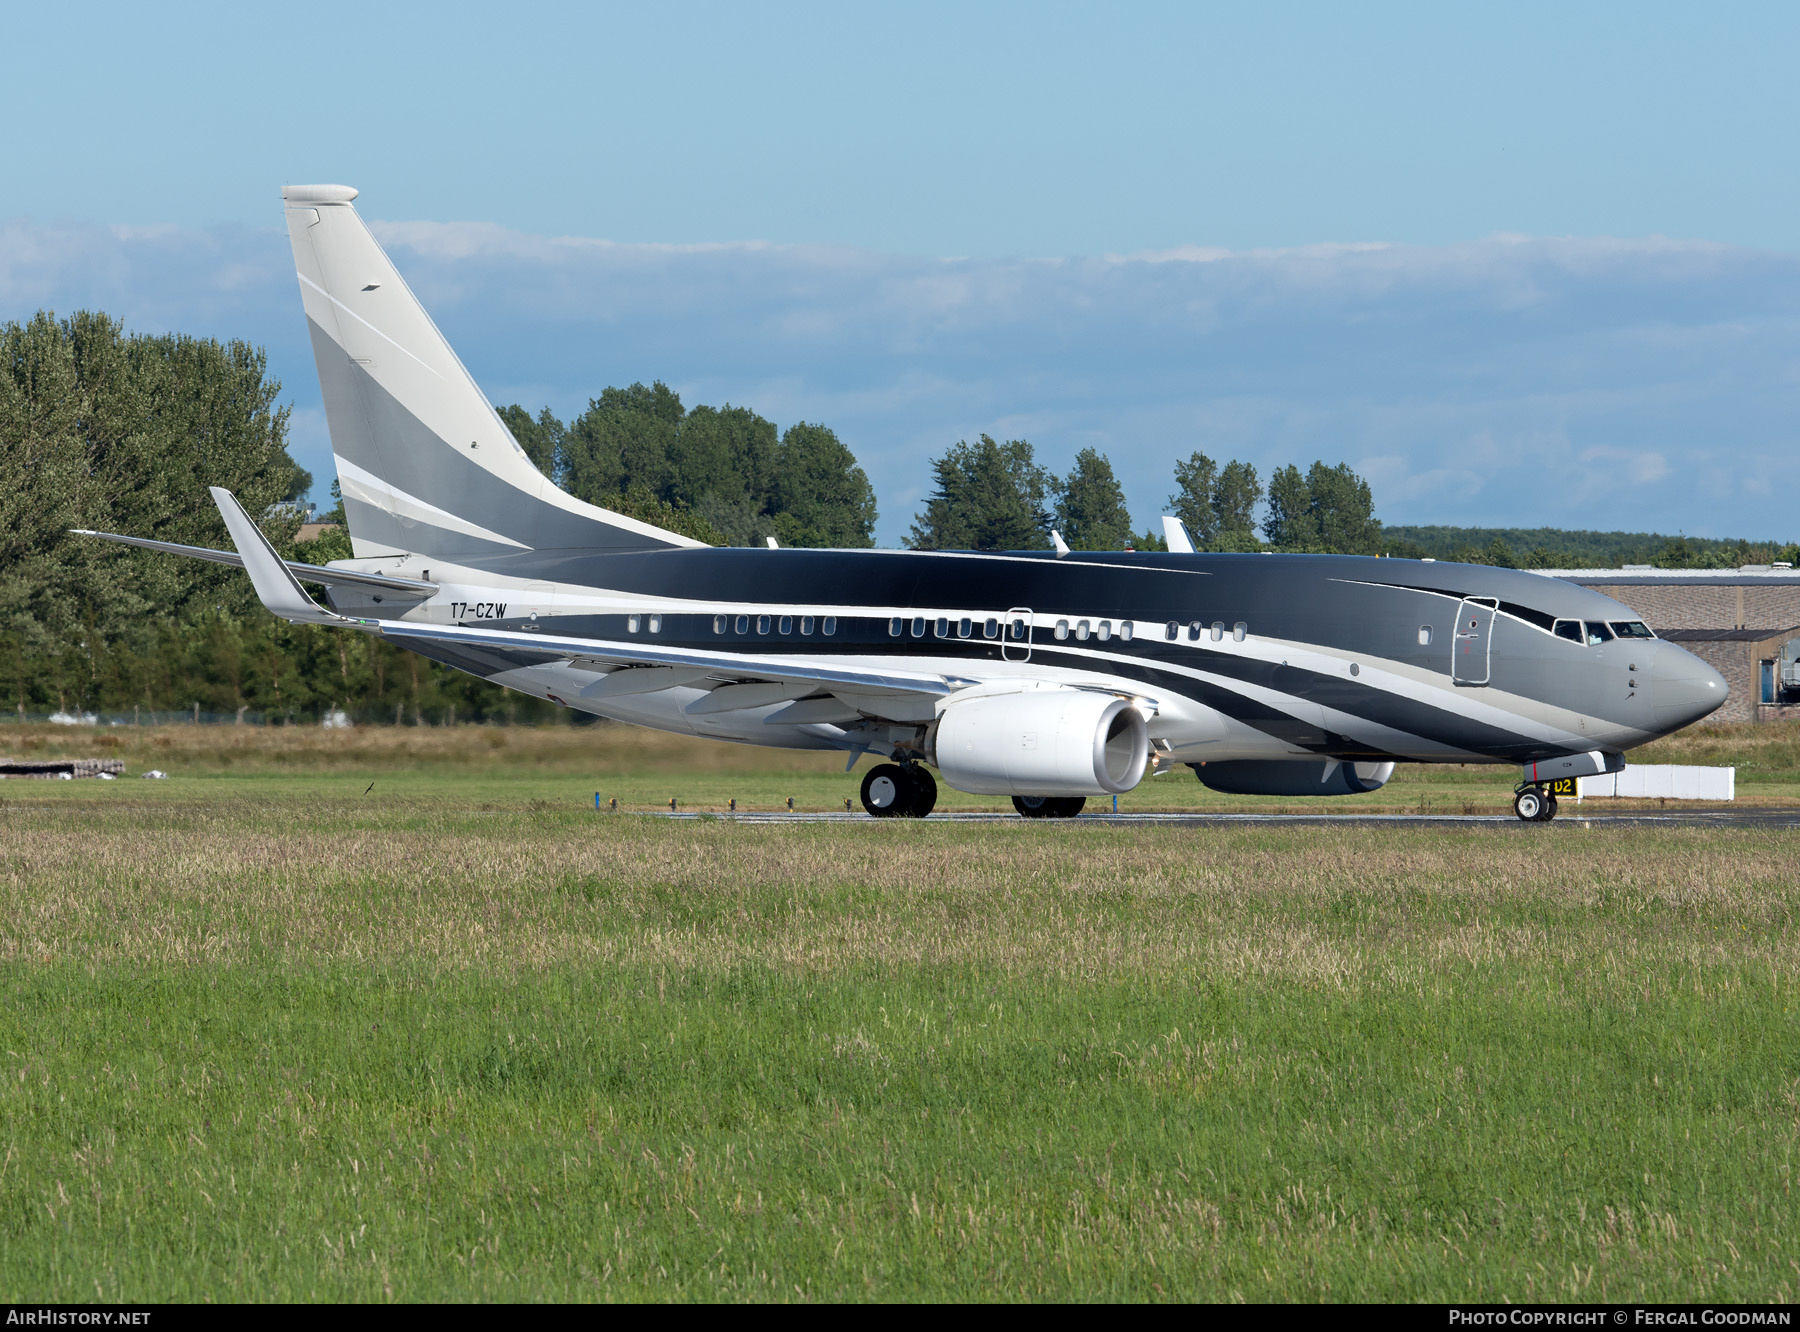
<point x="425" y="464"/>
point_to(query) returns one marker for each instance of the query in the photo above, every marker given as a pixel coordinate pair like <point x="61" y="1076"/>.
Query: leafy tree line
<point x="1555" y="548"/>
<point x="993" y="496"/>
<point x="719" y="474"/>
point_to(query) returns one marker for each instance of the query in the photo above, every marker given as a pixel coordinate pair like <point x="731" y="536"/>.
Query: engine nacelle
<point x="1056" y="742"/>
<point x="1293" y="777"/>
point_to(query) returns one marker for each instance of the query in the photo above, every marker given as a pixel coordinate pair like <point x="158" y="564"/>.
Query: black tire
<point x="1049" y="807"/>
<point x="887" y="791"/>
<point x="924" y="792"/>
<point x="1529" y="804"/>
<point x="1549" y="811"/>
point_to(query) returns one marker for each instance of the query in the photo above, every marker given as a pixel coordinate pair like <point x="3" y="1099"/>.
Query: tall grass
<point x="304" y="1044"/>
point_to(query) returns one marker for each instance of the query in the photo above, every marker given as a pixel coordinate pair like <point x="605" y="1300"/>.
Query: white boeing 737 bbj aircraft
<point x="1048" y="677"/>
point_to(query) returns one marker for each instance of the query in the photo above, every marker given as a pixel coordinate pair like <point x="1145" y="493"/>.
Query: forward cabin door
<point x="1015" y="634"/>
<point x="1471" y="650"/>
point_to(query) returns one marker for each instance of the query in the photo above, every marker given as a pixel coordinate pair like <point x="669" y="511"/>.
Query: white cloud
<point x="1595" y="382"/>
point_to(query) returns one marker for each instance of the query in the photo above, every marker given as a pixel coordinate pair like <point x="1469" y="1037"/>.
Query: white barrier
<point x="1663" y="781"/>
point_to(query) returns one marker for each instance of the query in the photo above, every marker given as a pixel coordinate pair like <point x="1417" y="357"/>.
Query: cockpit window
<point x="1632" y="629"/>
<point x="1571" y="630"/>
<point x="1597" y="633"/>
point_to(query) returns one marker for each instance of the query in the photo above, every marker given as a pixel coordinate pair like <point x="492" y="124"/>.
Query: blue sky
<point x="1518" y="266"/>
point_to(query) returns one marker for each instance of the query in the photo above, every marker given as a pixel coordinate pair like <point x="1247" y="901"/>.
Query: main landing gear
<point x="899" y="791"/>
<point x="1534" y="804"/>
<point x="1049" y="807"/>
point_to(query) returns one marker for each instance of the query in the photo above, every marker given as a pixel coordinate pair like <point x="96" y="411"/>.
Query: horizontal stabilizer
<point x="306" y="573"/>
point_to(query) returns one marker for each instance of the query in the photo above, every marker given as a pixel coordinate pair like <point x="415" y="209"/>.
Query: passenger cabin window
<point x="1597" y="633"/>
<point x="1125" y="631"/>
<point x="1081" y="631"/>
<point x="656" y="624"/>
<point x="718" y="624"/>
<point x="828" y="626"/>
<point x="806" y="625"/>
<point x="1571" y="630"/>
<point x="1218" y="631"/>
<point x="1062" y="629"/>
<point x="1194" y="632"/>
<point x="1019" y="630"/>
<point x="896" y="626"/>
<point x="1238" y="631"/>
<point x="918" y="626"/>
<point x="787" y="624"/>
<point x="943" y="627"/>
<point x="1632" y="629"/>
<point x="631" y="624"/>
<point x="1171" y="631"/>
<point x="1103" y="630"/>
<point x="965" y="627"/>
<point x="1424" y="635"/>
<point x="743" y="624"/>
<point x="990" y="628"/>
<point x="762" y="624"/>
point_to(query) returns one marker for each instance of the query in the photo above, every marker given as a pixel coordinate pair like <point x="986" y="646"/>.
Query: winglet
<point x="1176" y="534"/>
<point x="1062" y="547"/>
<point x="276" y="588"/>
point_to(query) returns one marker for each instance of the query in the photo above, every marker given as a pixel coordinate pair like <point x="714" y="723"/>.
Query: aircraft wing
<point x="695" y="663"/>
<point x="310" y="573"/>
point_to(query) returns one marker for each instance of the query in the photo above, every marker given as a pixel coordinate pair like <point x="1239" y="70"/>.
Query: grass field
<point x="271" y="1034"/>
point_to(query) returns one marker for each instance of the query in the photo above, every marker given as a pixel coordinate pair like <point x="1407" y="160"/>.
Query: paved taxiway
<point x="1734" y="818"/>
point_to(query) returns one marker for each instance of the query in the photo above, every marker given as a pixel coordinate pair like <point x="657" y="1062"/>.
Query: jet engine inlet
<point x="1055" y="742"/>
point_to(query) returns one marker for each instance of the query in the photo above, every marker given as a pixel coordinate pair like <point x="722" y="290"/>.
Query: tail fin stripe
<point x="370" y="489"/>
<point x="365" y="323"/>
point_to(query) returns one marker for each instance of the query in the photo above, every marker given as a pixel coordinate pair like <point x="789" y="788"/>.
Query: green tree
<point x="1678" y="553"/>
<point x="719" y="474"/>
<point x="822" y="498"/>
<point x="1330" y="509"/>
<point x="622" y="442"/>
<point x="1290" y="522"/>
<point x="726" y="467"/>
<point x="988" y="496"/>
<point x="122" y="433"/>
<point x="1196" y="493"/>
<point x="1235" y="498"/>
<point x="541" y="438"/>
<point x="1090" y="505"/>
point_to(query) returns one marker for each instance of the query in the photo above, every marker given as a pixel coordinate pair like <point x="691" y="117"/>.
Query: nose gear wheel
<point x="1533" y="804"/>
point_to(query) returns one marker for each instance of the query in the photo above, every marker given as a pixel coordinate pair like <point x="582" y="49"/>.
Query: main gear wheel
<point x="1049" y="807"/>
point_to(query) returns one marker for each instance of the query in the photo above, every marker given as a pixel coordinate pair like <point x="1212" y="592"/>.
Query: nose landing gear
<point x="1533" y="804"/>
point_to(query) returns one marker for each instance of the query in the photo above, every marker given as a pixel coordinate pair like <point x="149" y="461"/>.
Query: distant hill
<point x="1554" y="547"/>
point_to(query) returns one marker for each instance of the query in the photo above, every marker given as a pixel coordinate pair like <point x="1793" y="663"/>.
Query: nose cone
<point x="1683" y="688"/>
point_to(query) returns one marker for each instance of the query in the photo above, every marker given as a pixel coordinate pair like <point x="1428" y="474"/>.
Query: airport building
<point x="1745" y="623"/>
